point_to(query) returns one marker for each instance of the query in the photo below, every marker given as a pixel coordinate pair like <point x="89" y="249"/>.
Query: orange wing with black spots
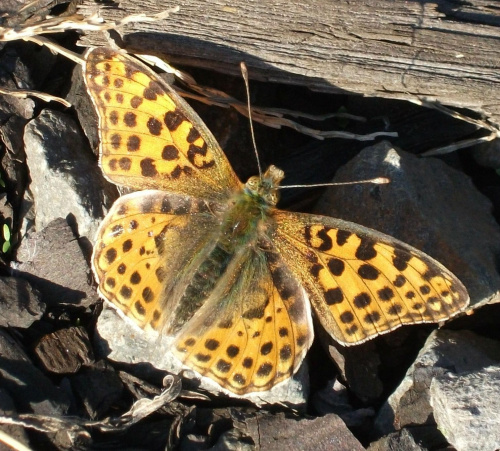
<point x="361" y="282"/>
<point x="255" y="328"/>
<point x="150" y="137"/>
<point x="144" y="252"/>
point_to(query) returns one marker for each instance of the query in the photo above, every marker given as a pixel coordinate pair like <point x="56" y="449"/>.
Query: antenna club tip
<point x="381" y="180"/>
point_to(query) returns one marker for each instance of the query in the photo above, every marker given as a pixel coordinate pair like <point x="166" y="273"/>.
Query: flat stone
<point x="276" y="432"/>
<point x="397" y="441"/>
<point x="20" y="304"/>
<point x="53" y="261"/>
<point x="65" y="179"/>
<point x="335" y="398"/>
<point x="30" y="389"/>
<point x="99" y="387"/>
<point x="8" y="409"/>
<point x="65" y="351"/>
<point x="466" y="407"/>
<point x="446" y="351"/>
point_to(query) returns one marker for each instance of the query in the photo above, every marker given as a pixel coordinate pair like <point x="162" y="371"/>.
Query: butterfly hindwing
<point x="253" y="330"/>
<point x="144" y="248"/>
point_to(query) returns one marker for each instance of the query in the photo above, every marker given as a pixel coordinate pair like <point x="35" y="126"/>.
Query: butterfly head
<point x="265" y="187"/>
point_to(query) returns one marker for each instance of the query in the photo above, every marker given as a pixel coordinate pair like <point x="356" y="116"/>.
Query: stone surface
<point x="359" y="366"/>
<point x="30" y="389"/>
<point x="13" y="161"/>
<point x="487" y="154"/>
<point x="98" y="387"/>
<point x="20" y="305"/>
<point x="65" y="351"/>
<point x="276" y="432"/>
<point x="397" y="441"/>
<point x="53" y="261"/>
<point x="8" y="409"/>
<point x="14" y="75"/>
<point x="121" y="341"/>
<point x="466" y="407"/>
<point x="428" y="205"/>
<point x="445" y="352"/>
<point x="65" y="179"/>
<point x="335" y="398"/>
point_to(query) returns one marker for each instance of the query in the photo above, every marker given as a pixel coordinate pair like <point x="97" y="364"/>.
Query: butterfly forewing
<point x="150" y="137"/>
<point x="363" y="283"/>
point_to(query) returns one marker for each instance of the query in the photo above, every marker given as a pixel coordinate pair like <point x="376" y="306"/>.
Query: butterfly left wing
<point x="363" y="283"/>
<point x="149" y="136"/>
<point x="254" y="329"/>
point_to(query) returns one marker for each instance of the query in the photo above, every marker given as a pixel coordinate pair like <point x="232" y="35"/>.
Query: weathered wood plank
<point x="442" y="50"/>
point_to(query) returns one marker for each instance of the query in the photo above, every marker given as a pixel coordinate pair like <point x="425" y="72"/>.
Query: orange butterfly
<point x="199" y="256"/>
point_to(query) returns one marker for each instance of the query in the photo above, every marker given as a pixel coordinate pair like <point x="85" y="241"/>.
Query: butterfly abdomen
<point x="203" y="282"/>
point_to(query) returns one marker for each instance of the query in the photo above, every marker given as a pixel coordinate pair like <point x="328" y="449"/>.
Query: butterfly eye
<point x="253" y="183"/>
<point x="271" y="199"/>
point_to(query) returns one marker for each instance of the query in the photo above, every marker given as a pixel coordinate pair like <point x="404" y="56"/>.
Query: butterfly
<point x="199" y="256"/>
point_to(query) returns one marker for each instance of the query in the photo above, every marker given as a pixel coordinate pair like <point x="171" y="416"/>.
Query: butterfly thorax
<point x="250" y="209"/>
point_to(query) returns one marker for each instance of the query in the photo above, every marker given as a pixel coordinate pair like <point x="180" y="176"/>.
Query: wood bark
<point x="443" y="50"/>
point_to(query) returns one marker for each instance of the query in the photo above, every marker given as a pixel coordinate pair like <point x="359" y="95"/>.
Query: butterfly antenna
<point x="375" y="181"/>
<point x="244" y="73"/>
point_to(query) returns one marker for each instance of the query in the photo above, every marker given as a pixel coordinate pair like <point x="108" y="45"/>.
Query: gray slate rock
<point x="65" y="351"/>
<point x="30" y="389"/>
<point x="467" y="408"/>
<point x="99" y="387"/>
<point x="65" y="179"/>
<point x="397" y="441"/>
<point x="487" y="154"/>
<point x="445" y="352"/>
<point x="335" y="398"/>
<point x="8" y="409"/>
<point x="276" y="432"/>
<point x="53" y="261"/>
<point x="20" y="304"/>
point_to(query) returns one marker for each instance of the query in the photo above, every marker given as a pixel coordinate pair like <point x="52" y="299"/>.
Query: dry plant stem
<point x="56" y="48"/>
<point x="78" y="22"/>
<point x="443" y="109"/>
<point x="12" y="442"/>
<point x="140" y="409"/>
<point x="459" y="145"/>
<point x="495" y="132"/>
<point x="21" y="93"/>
